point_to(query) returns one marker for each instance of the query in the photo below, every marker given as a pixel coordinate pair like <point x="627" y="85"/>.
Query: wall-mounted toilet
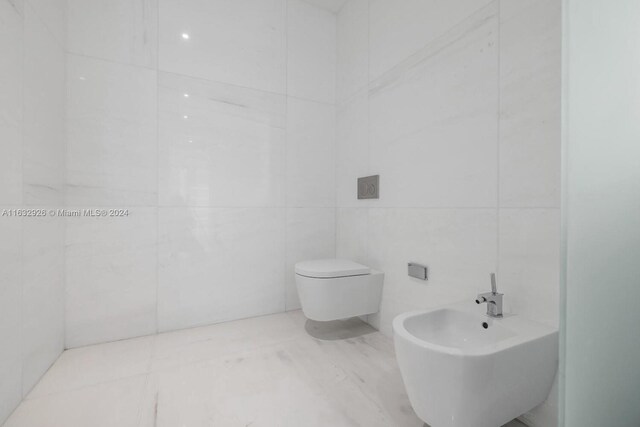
<point x="332" y="289"/>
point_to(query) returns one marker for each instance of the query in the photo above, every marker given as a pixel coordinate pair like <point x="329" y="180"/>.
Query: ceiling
<point x="330" y="5"/>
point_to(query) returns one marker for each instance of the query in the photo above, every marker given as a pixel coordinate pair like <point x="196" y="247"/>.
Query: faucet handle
<point x="494" y="287"/>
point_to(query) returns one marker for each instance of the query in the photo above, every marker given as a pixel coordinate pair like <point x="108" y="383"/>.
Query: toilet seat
<point x="330" y="268"/>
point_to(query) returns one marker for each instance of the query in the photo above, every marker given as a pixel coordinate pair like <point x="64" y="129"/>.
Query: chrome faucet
<point x="493" y="299"/>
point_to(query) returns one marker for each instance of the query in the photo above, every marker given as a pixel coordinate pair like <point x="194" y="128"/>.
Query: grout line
<point x="335" y="137"/>
<point x="467" y="21"/>
<point x="499" y="136"/>
<point x="353" y="96"/>
<point x="112" y="61"/>
<point x="300" y="98"/>
<point x="22" y="204"/>
<point x="61" y="43"/>
<point x="198" y="78"/>
<point x="14" y="5"/>
<point x="327" y="10"/>
<point x="86" y="386"/>
<point x="64" y="183"/>
<point x="157" y="208"/>
<point x="286" y="153"/>
<point x="565" y="199"/>
<point x="367" y="209"/>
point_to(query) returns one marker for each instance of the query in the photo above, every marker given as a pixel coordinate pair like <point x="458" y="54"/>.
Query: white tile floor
<point x="278" y="370"/>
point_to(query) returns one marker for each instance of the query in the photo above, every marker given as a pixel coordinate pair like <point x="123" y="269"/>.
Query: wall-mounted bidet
<point x="459" y="374"/>
<point x="332" y="289"/>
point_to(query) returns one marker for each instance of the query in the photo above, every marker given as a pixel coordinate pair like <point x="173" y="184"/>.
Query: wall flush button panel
<point x="369" y="187"/>
<point x="418" y="271"/>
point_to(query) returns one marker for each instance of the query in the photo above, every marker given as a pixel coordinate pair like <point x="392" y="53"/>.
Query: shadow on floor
<point x="338" y="329"/>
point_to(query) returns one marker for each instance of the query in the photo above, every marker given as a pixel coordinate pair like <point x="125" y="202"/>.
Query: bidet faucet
<point x="493" y="299"/>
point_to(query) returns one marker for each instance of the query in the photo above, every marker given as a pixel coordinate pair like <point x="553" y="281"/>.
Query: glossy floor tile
<point x="278" y="370"/>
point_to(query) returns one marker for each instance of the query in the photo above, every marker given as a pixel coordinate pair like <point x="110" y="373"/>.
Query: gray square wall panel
<point x="369" y="187"/>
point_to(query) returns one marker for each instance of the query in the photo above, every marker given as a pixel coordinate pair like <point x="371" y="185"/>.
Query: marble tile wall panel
<point x="530" y="70"/>
<point x="241" y="42"/>
<point x="111" y="277"/>
<point x="219" y="264"/>
<point x="124" y="31"/>
<point x="311" y="52"/>
<point x="310" y="154"/>
<point x="220" y="145"/>
<point x="44" y="114"/>
<point x="112" y="134"/>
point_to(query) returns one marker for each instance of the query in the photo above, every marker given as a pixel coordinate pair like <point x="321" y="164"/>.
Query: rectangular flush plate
<point x="418" y="271"/>
<point x="369" y="187"/>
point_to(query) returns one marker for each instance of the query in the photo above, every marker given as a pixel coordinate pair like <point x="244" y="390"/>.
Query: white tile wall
<point x="460" y="117"/>
<point x="241" y="42"/>
<point x="530" y="103"/>
<point x="311" y="52"/>
<point x="352" y="148"/>
<point x="458" y="245"/>
<point x="53" y="14"/>
<point x="112" y="134"/>
<point x="530" y="261"/>
<point x="43" y="302"/>
<point x="219" y="264"/>
<point x="44" y="113"/>
<point x="352" y="226"/>
<point x="124" y="31"/>
<point x="331" y="5"/>
<point x="111" y="277"/>
<point x="433" y="121"/>
<point x="10" y="309"/>
<point x="11" y="87"/>
<point x="353" y="49"/>
<point x="310" y="153"/>
<point x="18" y="5"/>
<point x="220" y="145"/>
<point x="208" y="145"/>
<point x="32" y="147"/>
<point x="400" y="29"/>
<point x="429" y="125"/>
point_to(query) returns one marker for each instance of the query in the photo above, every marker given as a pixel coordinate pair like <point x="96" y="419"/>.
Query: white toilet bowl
<point x="332" y="289"/>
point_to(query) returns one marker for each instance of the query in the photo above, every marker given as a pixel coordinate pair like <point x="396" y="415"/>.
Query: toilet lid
<point x="328" y="268"/>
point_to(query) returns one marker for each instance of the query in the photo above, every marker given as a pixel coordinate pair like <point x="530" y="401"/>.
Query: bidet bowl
<point x="459" y="374"/>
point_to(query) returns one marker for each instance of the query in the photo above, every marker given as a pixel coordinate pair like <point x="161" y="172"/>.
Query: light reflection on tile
<point x="221" y="145"/>
<point x="237" y="42"/>
<point x="112" y="134"/>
